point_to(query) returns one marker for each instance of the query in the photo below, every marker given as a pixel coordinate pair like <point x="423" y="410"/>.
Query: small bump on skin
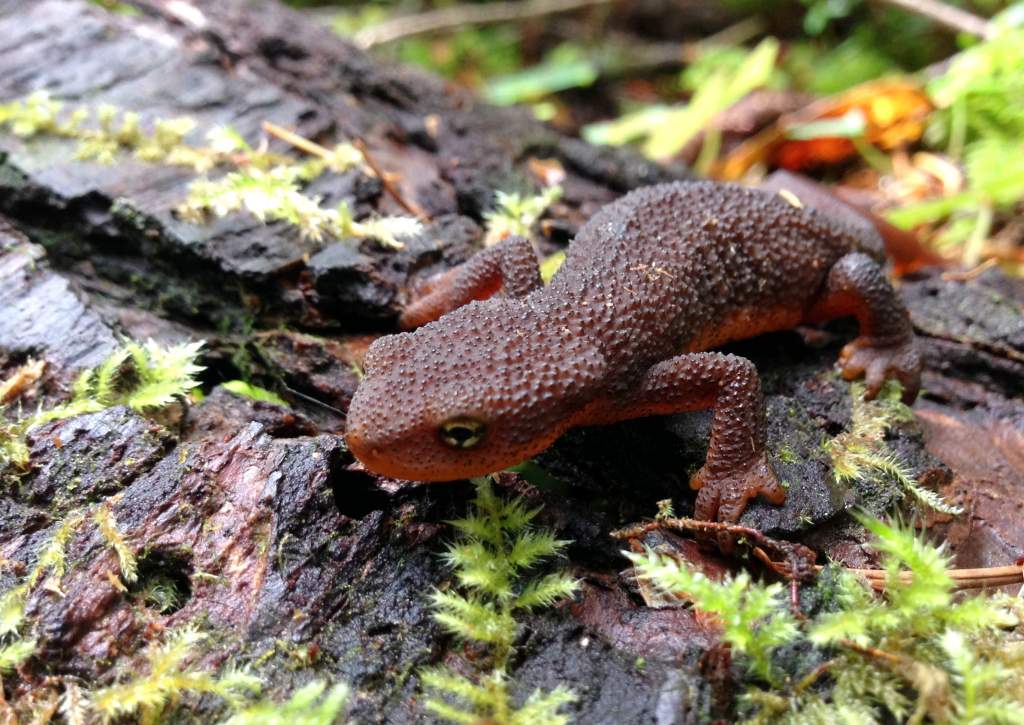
<point x="650" y="282"/>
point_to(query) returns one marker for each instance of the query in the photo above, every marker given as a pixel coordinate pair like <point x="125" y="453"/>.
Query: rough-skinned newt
<point x="500" y="365"/>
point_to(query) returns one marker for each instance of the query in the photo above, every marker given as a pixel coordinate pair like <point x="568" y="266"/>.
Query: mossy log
<point x="253" y="516"/>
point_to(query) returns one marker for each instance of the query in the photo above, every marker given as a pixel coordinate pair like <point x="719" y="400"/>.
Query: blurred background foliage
<point x="914" y="108"/>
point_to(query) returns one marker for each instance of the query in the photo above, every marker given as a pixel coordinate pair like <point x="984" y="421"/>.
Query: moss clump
<point x="168" y="679"/>
<point x="264" y="184"/>
<point x="515" y="214"/>
<point x="307" y="706"/>
<point x="861" y="451"/>
<point x="274" y="195"/>
<point x="105" y="131"/>
<point x="915" y="653"/>
<point x="497" y="548"/>
<point x="145" y="377"/>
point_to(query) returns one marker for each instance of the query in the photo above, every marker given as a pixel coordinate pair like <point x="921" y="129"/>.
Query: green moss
<point x="108" y="527"/>
<point x="14" y="455"/>
<point x="753" y="616"/>
<point x="161" y="594"/>
<point x="254" y="392"/>
<point x="861" y="452"/>
<point x="168" y="678"/>
<point x="264" y="184"/>
<point x="13" y="654"/>
<point x="274" y="195"/>
<point x="312" y="704"/>
<point x="917" y="652"/>
<point x="515" y="214"/>
<point x="788" y="455"/>
<point x="146" y="378"/>
<point x="47" y="571"/>
<point x="491" y="562"/>
<point x="142" y="377"/>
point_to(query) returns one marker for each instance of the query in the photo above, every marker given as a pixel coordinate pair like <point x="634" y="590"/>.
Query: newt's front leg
<point x="737" y="468"/>
<point x="885" y="349"/>
<point x="509" y="267"/>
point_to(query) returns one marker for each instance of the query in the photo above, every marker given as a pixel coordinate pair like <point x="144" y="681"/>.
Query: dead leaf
<point x="549" y="172"/>
<point x="890" y="113"/>
<point x="23" y="378"/>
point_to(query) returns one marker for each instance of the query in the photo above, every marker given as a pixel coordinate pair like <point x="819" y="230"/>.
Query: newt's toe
<point x="724" y="495"/>
<point x="876" y="363"/>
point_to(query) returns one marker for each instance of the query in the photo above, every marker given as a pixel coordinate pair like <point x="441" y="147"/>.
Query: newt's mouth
<point x="380" y="458"/>
<point x="423" y="463"/>
<point x="416" y="463"/>
<point x="366" y="451"/>
<point x="377" y="460"/>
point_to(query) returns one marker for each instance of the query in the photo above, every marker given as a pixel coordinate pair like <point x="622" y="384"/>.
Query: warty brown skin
<point x="502" y="365"/>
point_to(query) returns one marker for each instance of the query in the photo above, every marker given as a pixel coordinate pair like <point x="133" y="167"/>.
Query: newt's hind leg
<point x="509" y="267"/>
<point x="736" y="469"/>
<point x="885" y="349"/>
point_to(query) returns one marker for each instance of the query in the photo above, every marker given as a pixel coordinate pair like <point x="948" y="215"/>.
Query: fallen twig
<point x="791" y="559"/>
<point x="389" y="186"/>
<point x="951" y="17"/>
<point x="299" y="142"/>
<point x="796" y="561"/>
<point x="457" y="16"/>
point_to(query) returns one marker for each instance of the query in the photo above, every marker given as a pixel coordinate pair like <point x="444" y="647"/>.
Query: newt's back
<point x="689" y="265"/>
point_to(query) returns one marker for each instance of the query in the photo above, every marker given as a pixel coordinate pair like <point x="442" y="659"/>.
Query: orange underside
<point x="746" y="323"/>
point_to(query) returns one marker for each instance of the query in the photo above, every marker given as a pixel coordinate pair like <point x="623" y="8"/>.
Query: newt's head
<point x="481" y="389"/>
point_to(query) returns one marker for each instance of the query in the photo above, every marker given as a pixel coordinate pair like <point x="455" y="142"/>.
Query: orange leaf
<point x="894" y="111"/>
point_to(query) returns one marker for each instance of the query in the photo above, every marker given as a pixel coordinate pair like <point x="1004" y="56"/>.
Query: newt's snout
<point x="380" y="429"/>
<point x="362" y="445"/>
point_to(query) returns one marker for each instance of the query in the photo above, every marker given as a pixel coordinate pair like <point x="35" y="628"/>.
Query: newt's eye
<point x="461" y="432"/>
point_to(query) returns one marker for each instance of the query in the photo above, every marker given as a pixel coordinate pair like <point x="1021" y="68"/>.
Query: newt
<point x="499" y="365"/>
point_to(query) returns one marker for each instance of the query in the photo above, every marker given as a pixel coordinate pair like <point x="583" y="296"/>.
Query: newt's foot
<point x="877" y="362"/>
<point x="724" y="495"/>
